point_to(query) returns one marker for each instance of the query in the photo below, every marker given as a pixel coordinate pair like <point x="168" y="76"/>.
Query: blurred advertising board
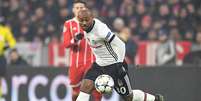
<point x="146" y="53"/>
<point x="39" y="84"/>
<point x="58" y="55"/>
<point x="31" y="52"/>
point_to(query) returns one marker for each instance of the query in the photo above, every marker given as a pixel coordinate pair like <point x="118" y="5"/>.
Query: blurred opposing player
<point x="81" y="56"/>
<point x="109" y="51"/>
<point x="6" y="41"/>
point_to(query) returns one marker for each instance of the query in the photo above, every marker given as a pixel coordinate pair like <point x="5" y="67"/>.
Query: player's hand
<point x="78" y="37"/>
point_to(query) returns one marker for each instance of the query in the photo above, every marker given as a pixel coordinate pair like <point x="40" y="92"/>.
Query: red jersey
<point x="84" y="55"/>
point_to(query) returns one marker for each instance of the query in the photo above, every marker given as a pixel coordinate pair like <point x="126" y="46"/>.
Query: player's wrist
<point x="73" y="42"/>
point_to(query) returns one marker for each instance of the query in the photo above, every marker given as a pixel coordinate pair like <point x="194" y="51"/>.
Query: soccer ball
<point x="104" y="84"/>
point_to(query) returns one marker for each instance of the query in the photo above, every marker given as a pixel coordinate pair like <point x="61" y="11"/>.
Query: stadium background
<point x="37" y="27"/>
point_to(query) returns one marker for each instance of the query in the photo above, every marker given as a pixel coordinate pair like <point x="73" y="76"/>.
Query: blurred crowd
<point x="42" y="20"/>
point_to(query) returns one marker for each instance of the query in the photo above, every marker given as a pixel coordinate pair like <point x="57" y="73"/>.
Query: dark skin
<point x="85" y="19"/>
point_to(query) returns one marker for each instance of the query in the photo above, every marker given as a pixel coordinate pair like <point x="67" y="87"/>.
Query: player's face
<point x="77" y="7"/>
<point x="85" y="21"/>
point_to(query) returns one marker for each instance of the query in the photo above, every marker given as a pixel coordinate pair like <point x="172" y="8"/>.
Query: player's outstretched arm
<point x="69" y="40"/>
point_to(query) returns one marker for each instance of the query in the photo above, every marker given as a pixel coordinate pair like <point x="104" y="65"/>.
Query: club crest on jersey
<point x="120" y="83"/>
<point x="93" y="44"/>
<point x="74" y="28"/>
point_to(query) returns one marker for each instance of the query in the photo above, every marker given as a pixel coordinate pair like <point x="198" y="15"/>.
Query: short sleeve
<point x="106" y="33"/>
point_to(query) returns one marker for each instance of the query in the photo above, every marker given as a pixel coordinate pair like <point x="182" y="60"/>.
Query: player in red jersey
<point x="81" y="56"/>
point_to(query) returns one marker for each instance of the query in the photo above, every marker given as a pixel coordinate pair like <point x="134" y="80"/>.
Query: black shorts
<point x="117" y="71"/>
<point x="2" y="66"/>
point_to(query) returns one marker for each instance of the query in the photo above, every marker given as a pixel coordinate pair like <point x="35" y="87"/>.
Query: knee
<point x="76" y="91"/>
<point x="87" y="86"/>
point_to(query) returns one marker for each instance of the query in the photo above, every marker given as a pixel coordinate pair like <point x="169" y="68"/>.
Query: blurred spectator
<point x="126" y="9"/>
<point x="157" y="25"/>
<point x="145" y="27"/>
<point x="193" y="58"/>
<point x="152" y="35"/>
<point x="91" y="4"/>
<point x="24" y="33"/>
<point x="6" y="41"/>
<point x="197" y="45"/>
<point x="166" y="50"/>
<point x="62" y="3"/>
<point x="52" y="10"/>
<point x="63" y="15"/>
<point x="189" y="35"/>
<point x="131" y="46"/>
<point x="108" y="11"/>
<point x="173" y="22"/>
<point x="132" y="24"/>
<point x="164" y="12"/>
<point x="108" y="8"/>
<point x="174" y="34"/>
<point x="16" y="59"/>
<point x="125" y="5"/>
<point x="140" y="11"/>
<point x="118" y="24"/>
